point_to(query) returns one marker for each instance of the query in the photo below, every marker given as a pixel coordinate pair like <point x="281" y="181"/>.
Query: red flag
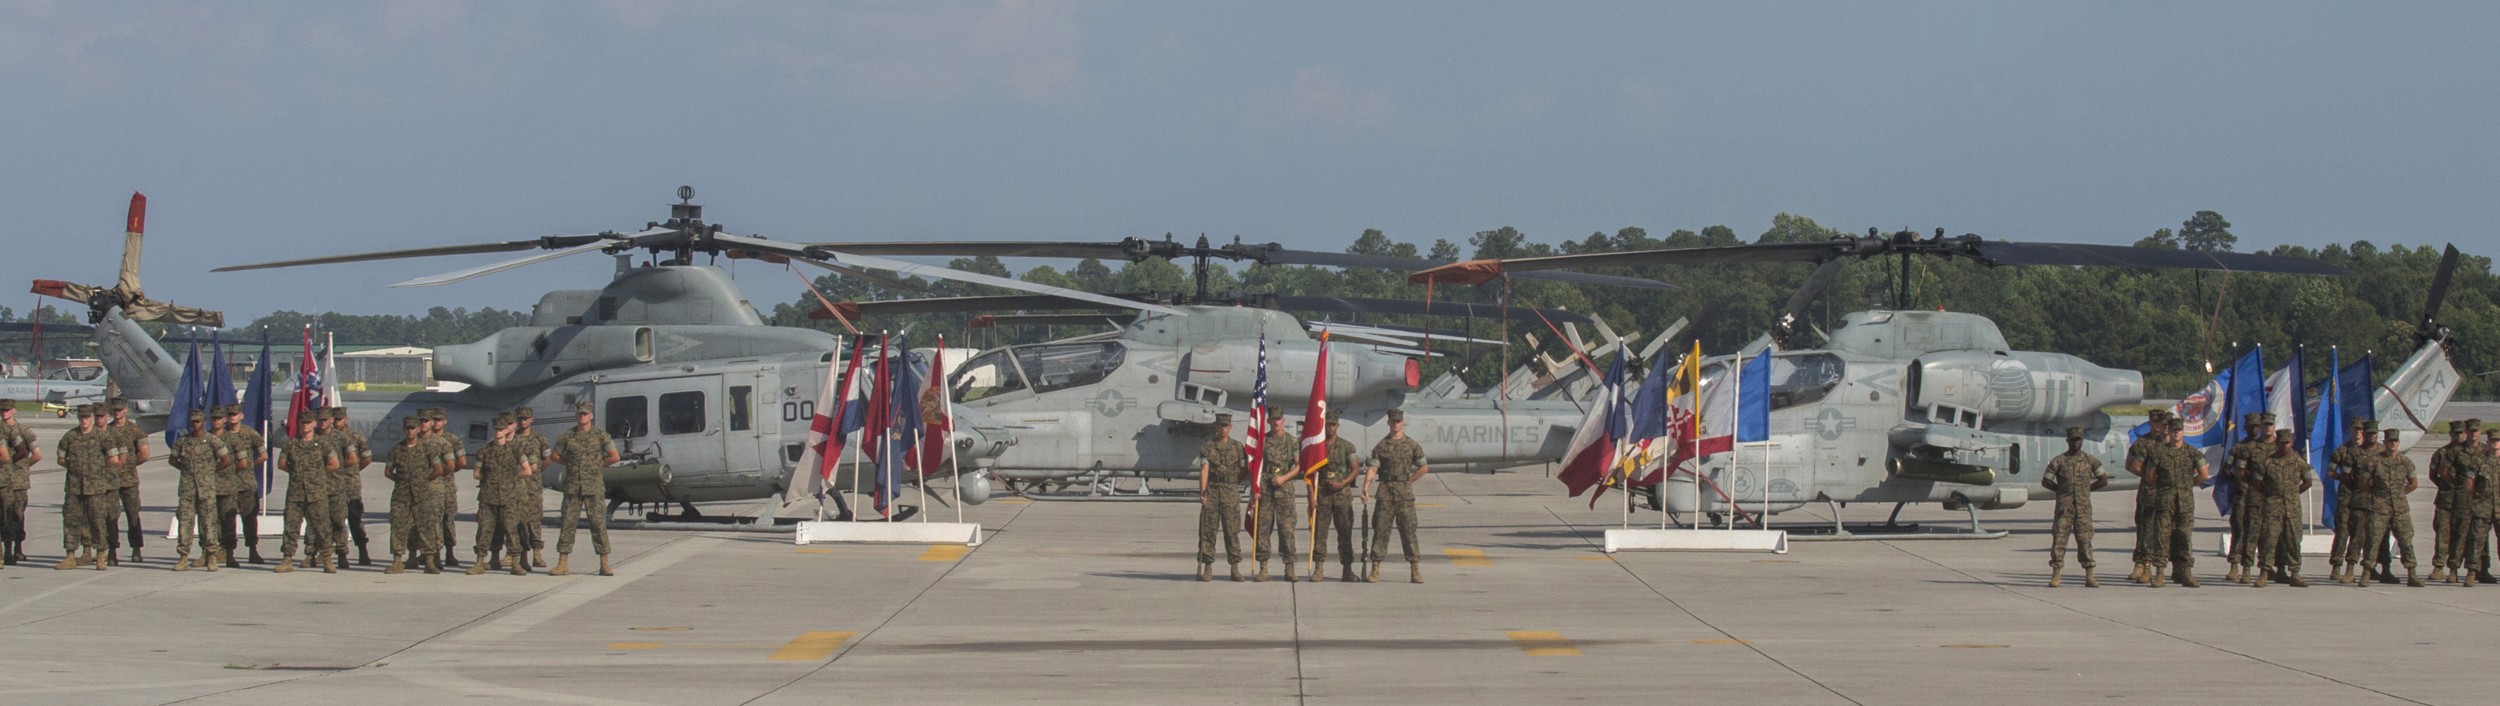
<point x="936" y="418"/>
<point x="1314" y="417"/>
<point x="828" y="429"/>
<point x="874" y="423"/>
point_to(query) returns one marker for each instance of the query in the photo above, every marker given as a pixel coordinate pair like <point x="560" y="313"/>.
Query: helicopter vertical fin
<point x="2412" y="397"/>
<point x="139" y="366"/>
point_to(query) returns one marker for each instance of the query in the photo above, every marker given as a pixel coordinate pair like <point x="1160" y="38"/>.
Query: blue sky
<point x="274" y="130"/>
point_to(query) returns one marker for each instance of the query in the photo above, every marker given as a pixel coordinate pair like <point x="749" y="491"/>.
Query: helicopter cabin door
<point x="679" y="417"/>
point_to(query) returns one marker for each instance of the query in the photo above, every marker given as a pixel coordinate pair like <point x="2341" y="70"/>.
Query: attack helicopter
<point x="1907" y="406"/>
<point x="712" y="404"/>
<point x="1139" y="400"/>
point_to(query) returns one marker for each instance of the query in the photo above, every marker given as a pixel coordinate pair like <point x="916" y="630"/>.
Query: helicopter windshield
<point x="1062" y="366"/>
<point x="1795" y="379"/>
<point x="77" y="374"/>
<point x="990" y="374"/>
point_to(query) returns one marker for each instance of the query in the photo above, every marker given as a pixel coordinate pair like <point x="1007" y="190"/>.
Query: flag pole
<point x="954" y="461"/>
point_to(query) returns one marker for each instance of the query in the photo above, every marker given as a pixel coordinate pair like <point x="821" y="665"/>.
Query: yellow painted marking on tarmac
<point x="814" y="550"/>
<point x="811" y="646"/>
<point x="944" y="552"/>
<point x="1972" y="646"/>
<point x="1013" y="501"/>
<point x="633" y="645"/>
<point x="1723" y="642"/>
<point x="1467" y="557"/>
<point x="1542" y="643"/>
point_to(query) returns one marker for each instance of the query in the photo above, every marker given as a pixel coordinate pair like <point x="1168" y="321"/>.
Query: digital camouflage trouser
<point x="1280" y="513"/>
<point x="337" y="510"/>
<point x="534" y="528"/>
<point x="121" y="519"/>
<point x="2346" y="550"/>
<point x="1221" y="510"/>
<point x="415" y="527"/>
<point x="2172" y="528"/>
<point x="308" y="519"/>
<point x="195" y="511"/>
<point x="12" y="515"/>
<point x="244" y="509"/>
<point x="2143" y="516"/>
<point x="84" y="521"/>
<point x="2473" y="541"/>
<point x="2074" y="519"/>
<point x="2244" y="511"/>
<point x="1395" y="509"/>
<point x="591" y="509"/>
<point x="2443" y="528"/>
<point x="499" y="529"/>
<point x="1336" y="512"/>
<point x="2275" y="535"/>
<point x="2375" y="527"/>
<point x="446" y="494"/>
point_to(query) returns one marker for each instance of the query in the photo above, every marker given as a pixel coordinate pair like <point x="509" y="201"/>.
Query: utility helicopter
<point x="1907" y="406"/>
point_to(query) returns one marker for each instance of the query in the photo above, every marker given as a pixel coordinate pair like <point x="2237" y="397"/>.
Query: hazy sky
<point x="266" y="131"/>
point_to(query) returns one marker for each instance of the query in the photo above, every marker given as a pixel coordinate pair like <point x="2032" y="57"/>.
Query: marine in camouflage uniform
<point x="122" y="519"/>
<point x="1279" y="506"/>
<point x="2344" y="466"/>
<point x="411" y="466"/>
<point x="532" y="501"/>
<point x="2176" y="470"/>
<point x="2444" y="514"/>
<point x="446" y="489"/>
<point x="2384" y="479"/>
<point x="355" y="454"/>
<point x="1333" y="505"/>
<point x="1398" y="462"/>
<point x="202" y="461"/>
<point x="586" y="452"/>
<point x="87" y="489"/>
<point x="2280" y="477"/>
<point x="2239" y="466"/>
<point x="501" y="467"/>
<point x="15" y="479"/>
<point x="2073" y="476"/>
<point x="245" y="451"/>
<point x="2137" y="452"/>
<point x="1222" y="464"/>
<point x="2483" y="504"/>
<point x="310" y="466"/>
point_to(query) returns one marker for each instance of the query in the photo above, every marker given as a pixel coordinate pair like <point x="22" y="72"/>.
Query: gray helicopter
<point x="1907" y="406"/>
<point x="712" y="404"/>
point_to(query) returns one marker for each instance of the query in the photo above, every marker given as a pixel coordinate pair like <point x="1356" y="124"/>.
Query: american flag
<point x="1258" y="424"/>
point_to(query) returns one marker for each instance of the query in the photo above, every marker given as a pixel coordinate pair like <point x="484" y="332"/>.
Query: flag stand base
<point x="964" y="533"/>
<point x="1697" y="540"/>
<point x="2310" y="544"/>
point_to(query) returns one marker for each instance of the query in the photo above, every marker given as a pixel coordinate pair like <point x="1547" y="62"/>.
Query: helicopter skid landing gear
<point x="1892" y="528"/>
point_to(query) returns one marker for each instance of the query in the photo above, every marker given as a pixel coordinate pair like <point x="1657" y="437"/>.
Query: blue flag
<point x="1649" y="405"/>
<point x="1753" y="399"/>
<point x="2357" y="394"/>
<point x="256" y="407"/>
<point x="220" y="378"/>
<point x="2327" y="432"/>
<point x="187" y="397"/>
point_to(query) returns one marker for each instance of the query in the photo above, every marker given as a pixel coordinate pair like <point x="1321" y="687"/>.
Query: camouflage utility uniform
<point x="310" y="467"/>
<point x="1335" y="509"/>
<point x="584" y="453"/>
<point x="15" y="479"/>
<point x="1395" y="461"/>
<point x="1219" y="508"/>
<point x="2276" y="529"/>
<point x="355" y="453"/>
<point x="1280" y="507"/>
<point x="2344" y="467"/>
<point x="87" y="489"/>
<point x="2073" y="475"/>
<point x="416" y="529"/>
<point x="240" y="505"/>
<point x="202" y="462"/>
<point x="2381" y="510"/>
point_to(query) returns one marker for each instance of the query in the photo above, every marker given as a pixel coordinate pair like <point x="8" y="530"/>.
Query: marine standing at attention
<point x="2386" y="479"/>
<point x="500" y="467"/>
<point x="413" y="465"/>
<point x="245" y="452"/>
<point x="202" y="462"/>
<point x="352" y="478"/>
<point x="2344" y="466"/>
<point x="2281" y="476"/>
<point x="1397" y="461"/>
<point x="87" y="485"/>
<point x="2137" y="452"/>
<point x="2445" y="513"/>
<point x="2239" y="465"/>
<point x="2484" y="501"/>
<point x="15" y="481"/>
<point x="2073" y="476"/>
<point x="1336" y="506"/>
<point x="533" y="499"/>
<point x="2179" y="469"/>
<point x="446" y="489"/>
<point x="586" y="453"/>
<point x="132" y="442"/>
<point x="309" y="465"/>
<point x="1220" y="468"/>
<point x="1280" y="507"/>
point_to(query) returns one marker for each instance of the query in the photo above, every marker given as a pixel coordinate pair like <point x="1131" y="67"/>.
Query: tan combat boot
<point x="329" y="564"/>
<point x="1206" y="571"/>
<point x="1288" y="572"/>
<point x="182" y="562"/>
<point x="1236" y="572"/>
<point x="478" y="566"/>
<point x="1372" y="576"/>
<point x="2137" y="574"/>
<point x="1319" y="572"/>
<point x="399" y="565"/>
<point x="2335" y="573"/>
<point x="2234" y="575"/>
<point x="1414" y="573"/>
<point x="564" y="565"/>
<point x="603" y="566"/>
<point x="2439" y="573"/>
<point x="2185" y="577"/>
<point x="2361" y="579"/>
<point x="1261" y="576"/>
<point x="210" y="560"/>
<point x="2056" y="573"/>
<point x="2411" y="579"/>
<point x="2152" y="576"/>
<point x="433" y="564"/>
<point x="2088" y="580"/>
<point x="538" y="558"/>
<point x="68" y="562"/>
<point x="520" y="565"/>
<point x="286" y="564"/>
<point x="2292" y="577"/>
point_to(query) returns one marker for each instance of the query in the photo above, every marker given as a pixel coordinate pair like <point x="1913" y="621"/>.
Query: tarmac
<point x="1094" y="601"/>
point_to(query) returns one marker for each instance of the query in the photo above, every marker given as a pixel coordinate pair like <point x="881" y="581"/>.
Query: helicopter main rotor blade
<point x="1409" y="307"/>
<point x="601" y="242"/>
<point x="951" y="305"/>
<point x="1998" y="252"/>
<point x="1281" y="256"/>
<point x="993" y="248"/>
<point x="1815" y="283"/>
<point x="820" y="256"/>
<point x="552" y="241"/>
<point x="2439" y="283"/>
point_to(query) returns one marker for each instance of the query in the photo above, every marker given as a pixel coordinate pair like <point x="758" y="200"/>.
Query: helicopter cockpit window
<point x="1058" y="367"/>
<point x="989" y="375"/>
<point x="1795" y="379"/>
<point x="682" y="413"/>
<point x="628" y="417"/>
<point x="78" y="374"/>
